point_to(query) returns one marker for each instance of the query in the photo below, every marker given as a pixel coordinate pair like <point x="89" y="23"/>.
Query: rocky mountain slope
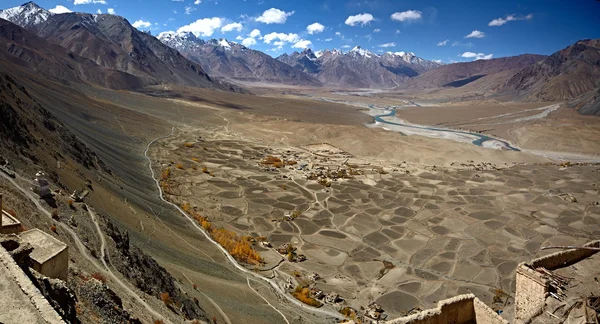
<point x="564" y="75"/>
<point x="461" y="74"/>
<point x="231" y="60"/>
<point x="111" y="42"/>
<point x="359" y="68"/>
<point x="21" y="47"/>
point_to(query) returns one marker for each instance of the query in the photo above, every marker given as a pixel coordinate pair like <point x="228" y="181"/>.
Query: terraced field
<point x="404" y="236"/>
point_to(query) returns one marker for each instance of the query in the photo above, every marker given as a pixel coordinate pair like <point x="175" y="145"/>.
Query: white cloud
<point x="288" y="38"/>
<point x="437" y="61"/>
<point x="477" y="56"/>
<point x="443" y="43"/>
<point x="315" y="28"/>
<point x="189" y="10"/>
<point x="249" y="41"/>
<point x="501" y="21"/>
<point x="197" y="2"/>
<point x="376" y="30"/>
<point x="388" y="45"/>
<point x="239" y="37"/>
<point x="254" y="33"/>
<point x="397" y="31"/>
<point x="476" y="34"/>
<point x="363" y="19"/>
<point x="328" y="39"/>
<point x="346" y="46"/>
<point x="203" y="27"/>
<point x="303" y="43"/>
<point x="274" y="16"/>
<point x="82" y="2"/>
<point x="111" y="11"/>
<point x="141" y="24"/>
<point x="407" y="16"/>
<point x="231" y="27"/>
<point x="60" y="9"/>
<point x="99" y="11"/>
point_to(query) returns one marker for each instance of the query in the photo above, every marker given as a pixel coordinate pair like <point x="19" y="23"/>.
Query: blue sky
<point x="436" y="30"/>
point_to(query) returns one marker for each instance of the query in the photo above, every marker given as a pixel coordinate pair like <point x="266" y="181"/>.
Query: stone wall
<point x="37" y="303"/>
<point x="460" y="309"/>
<point x="532" y="288"/>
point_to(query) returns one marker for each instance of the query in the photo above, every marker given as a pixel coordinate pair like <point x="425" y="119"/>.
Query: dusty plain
<point x="416" y="221"/>
<point x="445" y="216"/>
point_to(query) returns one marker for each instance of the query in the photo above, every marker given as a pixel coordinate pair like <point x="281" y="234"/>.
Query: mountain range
<point x="359" y="68"/>
<point x="108" y="51"/>
<point x="109" y="42"/>
<point x="231" y="60"/>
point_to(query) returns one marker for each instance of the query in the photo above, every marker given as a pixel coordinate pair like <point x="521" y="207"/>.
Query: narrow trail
<point x="276" y="288"/>
<point x="82" y="249"/>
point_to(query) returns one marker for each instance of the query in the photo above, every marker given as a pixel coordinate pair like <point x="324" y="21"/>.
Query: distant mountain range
<point x="231" y="60"/>
<point x="359" y="68"/>
<point x="106" y="50"/>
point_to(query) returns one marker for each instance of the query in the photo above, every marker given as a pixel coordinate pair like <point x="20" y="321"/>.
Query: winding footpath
<point x="82" y="249"/>
<point x="231" y="260"/>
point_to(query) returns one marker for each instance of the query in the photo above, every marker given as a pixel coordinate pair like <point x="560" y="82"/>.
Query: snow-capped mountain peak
<point x="26" y="15"/>
<point x="357" y="50"/>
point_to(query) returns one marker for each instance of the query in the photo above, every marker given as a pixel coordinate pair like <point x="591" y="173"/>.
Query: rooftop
<point x="44" y="245"/>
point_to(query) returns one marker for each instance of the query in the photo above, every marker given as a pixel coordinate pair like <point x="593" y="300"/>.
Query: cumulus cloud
<point x="443" y="43"/>
<point x="141" y="24"/>
<point x="254" y="33"/>
<point x="388" y="45"/>
<point x="197" y="2"/>
<point x="203" y="27"/>
<point x="251" y="39"/>
<point x="437" y="61"/>
<point x="477" y="56"/>
<point x="406" y="16"/>
<point x="376" y="30"/>
<point x="274" y="16"/>
<point x="60" y="9"/>
<point x="363" y="19"/>
<point x="231" y="27"/>
<point x="501" y="21"/>
<point x="111" y="11"/>
<point x="303" y="43"/>
<point x="289" y="38"/>
<point x="249" y="42"/>
<point x="82" y="2"/>
<point x="476" y="34"/>
<point x="315" y="28"/>
<point x="280" y="39"/>
<point x="346" y="46"/>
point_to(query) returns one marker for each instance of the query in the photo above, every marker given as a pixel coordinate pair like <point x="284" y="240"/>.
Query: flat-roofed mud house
<point x="50" y="257"/>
